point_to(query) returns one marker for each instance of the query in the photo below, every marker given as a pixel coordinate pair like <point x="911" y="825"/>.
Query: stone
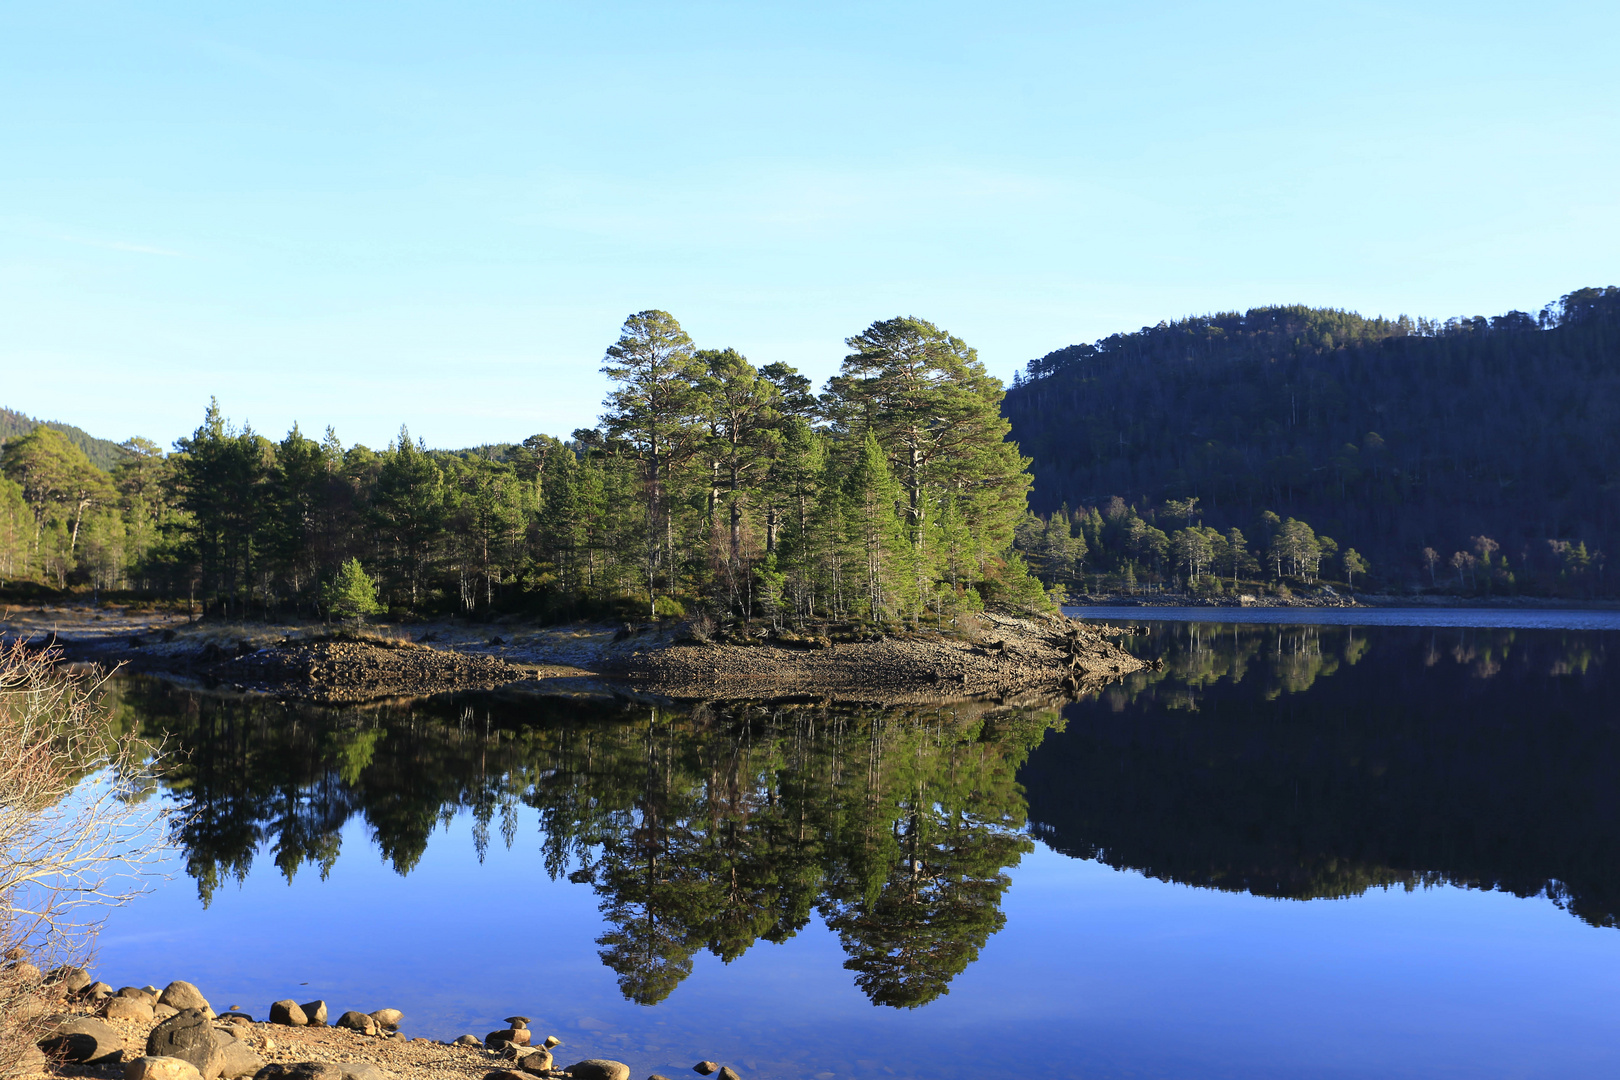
<point x="234" y="1017"/>
<point x="288" y="1013"/>
<point x="314" y="1013"/>
<point x="32" y="1061"/>
<point x="513" y="1021"/>
<point x="728" y="1073"/>
<point x="357" y="1021"/>
<point x="182" y="995"/>
<point x="504" y="1074"/>
<point x="388" y="1018"/>
<point x="300" y="1070"/>
<point x="535" y="1061"/>
<point x="467" y="1040"/>
<point x="73" y="979"/>
<point x="599" y="1069"/>
<point x="237" y="1059"/>
<point x="552" y="1041"/>
<point x="97" y="989"/>
<point x="163" y="1012"/>
<point x="137" y="993"/>
<point x="707" y="1068"/>
<point x="83" y="1039"/>
<point x="128" y="1008"/>
<point x="657" y="1076"/>
<point x="160" y="1068"/>
<point x="23" y="971"/>
<point x="190" y="1036"/>
<point x="320" y="1070"/>
<point x="497" y="1039"/>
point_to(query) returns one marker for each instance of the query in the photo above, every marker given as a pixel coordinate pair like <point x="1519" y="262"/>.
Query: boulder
<point x="23" y="971"/>
<point x="182" y="995"/>
<point x="315" y="1013"/>
<point x="497" y="1039"/>
<point x="83" y="1039"/>
<point x="728" y="1073"/>
<point x="505" y="1074"/>
<point x="466" y="1040"/>
<point x="552" y="1042"/>
<point x="599" y="1069"/>
<point x="358" y="1021"/>
<point x="138" y="994"/>
<point x="535" y="1061"/>
<point x="97" y="989"/>
<point x="237" y="1059"/>
<point x="234" y="1017"/>
<point x="319" y="1070"/>
<point x="190" y="1036"/>
<point x="288" y="1013"/>
<point x="299" y="1070"/>
<point x="128" y="1008"/>
<point x="388" y="1018"/>
<point x="73" y="979"/>
<point x="163" y="1012"/>
<point x="707" y="1068"/>
<point x="160" y="1068"/>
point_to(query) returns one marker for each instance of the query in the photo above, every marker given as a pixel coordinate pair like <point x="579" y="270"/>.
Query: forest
<point x="708" y="484"/>
<point x="1477" y="456"/>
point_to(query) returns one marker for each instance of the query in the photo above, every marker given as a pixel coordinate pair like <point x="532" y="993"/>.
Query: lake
<point x="1295" y="851"/>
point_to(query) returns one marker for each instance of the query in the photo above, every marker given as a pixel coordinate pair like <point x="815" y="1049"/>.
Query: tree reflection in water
<point x="699" y="829"/>
<point x="1296" y="762"/>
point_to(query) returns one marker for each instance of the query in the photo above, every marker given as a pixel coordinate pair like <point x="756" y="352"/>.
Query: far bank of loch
<point x="998" y="657"/>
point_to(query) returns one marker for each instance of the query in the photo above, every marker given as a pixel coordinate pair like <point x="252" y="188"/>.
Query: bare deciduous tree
<point x="74" y="835"/>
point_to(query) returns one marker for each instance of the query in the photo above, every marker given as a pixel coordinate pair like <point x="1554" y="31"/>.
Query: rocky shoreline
<point x="86" y="1028"/>
<point x="998" y="657"/>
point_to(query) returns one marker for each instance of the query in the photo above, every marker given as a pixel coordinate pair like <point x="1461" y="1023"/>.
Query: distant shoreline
<point x="1003" y="657"/>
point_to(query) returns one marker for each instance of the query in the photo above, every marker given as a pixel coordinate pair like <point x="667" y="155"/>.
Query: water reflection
<point x="698" y="829"/>
<point x="1291" y="762"/>
<point x="1308" y="762"/>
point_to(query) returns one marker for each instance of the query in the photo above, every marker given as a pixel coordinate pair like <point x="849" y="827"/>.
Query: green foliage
<point x="352" y="593"/>
<point x="892" y="497"/>
<point x="1398" y="435"/>
<point x="102" y="453"/>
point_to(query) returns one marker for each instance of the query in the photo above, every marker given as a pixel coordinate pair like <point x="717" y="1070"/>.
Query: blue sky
<point x="439" y="214"/>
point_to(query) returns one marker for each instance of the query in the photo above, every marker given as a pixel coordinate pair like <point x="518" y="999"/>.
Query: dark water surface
<point x="1295" y="851"/>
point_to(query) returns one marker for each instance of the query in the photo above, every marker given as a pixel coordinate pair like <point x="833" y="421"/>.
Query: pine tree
<point x="351" y="594"/>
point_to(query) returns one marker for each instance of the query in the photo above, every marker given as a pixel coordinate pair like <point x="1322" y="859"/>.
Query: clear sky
<point x="439" y="214"/>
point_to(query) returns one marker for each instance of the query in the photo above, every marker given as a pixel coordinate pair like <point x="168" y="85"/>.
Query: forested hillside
<point x="1477" y="454"/>
<point x="708" y="483"/>
<point x="103" y="454"/>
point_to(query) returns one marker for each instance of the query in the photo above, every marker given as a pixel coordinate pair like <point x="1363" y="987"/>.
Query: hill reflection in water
<point x="1319" y="761"/>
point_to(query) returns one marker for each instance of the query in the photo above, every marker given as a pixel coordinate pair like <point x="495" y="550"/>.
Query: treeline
<point x="1476" y="455"/>
<point x="103" y="453"/>
<point x="891" y="495"/>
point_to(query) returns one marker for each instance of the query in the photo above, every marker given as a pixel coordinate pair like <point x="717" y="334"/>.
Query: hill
<point x="1392" y="435"/>
<point x="103" y="453"/>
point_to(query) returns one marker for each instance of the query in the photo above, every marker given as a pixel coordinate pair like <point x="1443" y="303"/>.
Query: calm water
<point x="1295" y="851"/>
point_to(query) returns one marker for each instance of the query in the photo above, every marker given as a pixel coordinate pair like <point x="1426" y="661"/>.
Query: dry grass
<point x="73" y="836"/>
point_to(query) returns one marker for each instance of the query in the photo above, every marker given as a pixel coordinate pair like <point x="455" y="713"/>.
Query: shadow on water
<point x="699" y="829"/>
<point x="1314" y="761"/>
<point x="1293" y="762"/>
